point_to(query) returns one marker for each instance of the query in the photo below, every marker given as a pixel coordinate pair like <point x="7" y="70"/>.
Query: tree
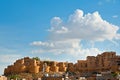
<point x="36" y="58"/>
<point x="13" y="76"/>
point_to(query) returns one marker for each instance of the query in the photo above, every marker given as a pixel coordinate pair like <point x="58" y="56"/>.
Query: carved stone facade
<point x="107" y="61"/>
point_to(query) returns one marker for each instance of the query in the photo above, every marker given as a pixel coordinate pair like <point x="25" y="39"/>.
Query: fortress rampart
<point x="107" y="61"/>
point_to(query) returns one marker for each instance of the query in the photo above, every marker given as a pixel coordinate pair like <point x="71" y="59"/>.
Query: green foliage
<point x="36" y="58"/>
<point x="13" y="76"/>
<point x="114" y="74"/>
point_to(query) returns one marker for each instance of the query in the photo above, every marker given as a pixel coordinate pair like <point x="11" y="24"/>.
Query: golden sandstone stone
<point x="54" y="68"/>
<point x="107" y="61"/>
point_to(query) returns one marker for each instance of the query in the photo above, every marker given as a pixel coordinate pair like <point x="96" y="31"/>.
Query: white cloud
<point x="115" y="16"/>
<point x="117" y="36"/>
<point x="69" y="47"/>
<point x="66" y="37"/>
<point x="103" y="2"/>
<point x="83" y="26"/>
<point x="40" y="43"/>
<point x="63" y="30"/>
<point x="55" y="23"/>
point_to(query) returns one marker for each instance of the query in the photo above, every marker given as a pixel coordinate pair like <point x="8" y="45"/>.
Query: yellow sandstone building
<point x="107" y="61"/>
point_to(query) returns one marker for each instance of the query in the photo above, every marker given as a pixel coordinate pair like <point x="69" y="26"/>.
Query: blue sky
<point x="64" y="30"/>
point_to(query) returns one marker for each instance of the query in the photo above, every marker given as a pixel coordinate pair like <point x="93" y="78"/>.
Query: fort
<point x="107" y="61"/>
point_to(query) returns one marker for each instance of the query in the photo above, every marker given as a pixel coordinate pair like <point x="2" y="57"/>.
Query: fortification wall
<point x="102" y="62"/>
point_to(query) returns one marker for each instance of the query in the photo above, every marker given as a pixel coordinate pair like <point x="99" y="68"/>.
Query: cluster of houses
<point x="105" y="66"/>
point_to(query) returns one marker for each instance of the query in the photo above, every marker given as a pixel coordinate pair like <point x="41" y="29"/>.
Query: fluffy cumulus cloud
<point x="66" y="37"/>
<point x="86" y="27"/>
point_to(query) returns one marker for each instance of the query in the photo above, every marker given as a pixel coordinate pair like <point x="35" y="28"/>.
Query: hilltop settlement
<point x="105" y="66"/>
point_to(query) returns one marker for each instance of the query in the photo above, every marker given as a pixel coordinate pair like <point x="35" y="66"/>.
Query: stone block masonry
<point x="107" y="61"/>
